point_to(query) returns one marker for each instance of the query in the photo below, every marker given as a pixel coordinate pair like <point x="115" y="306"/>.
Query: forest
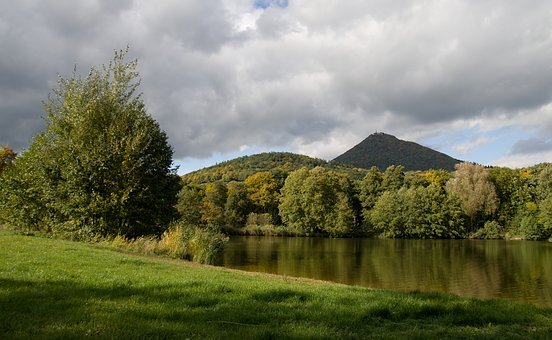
<point x="471" y="202"/>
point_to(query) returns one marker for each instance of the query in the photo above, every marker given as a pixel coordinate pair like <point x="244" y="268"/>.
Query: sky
<point x="226" y="78"/>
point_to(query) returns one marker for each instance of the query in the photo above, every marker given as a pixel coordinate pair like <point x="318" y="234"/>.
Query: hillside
<point x="382" y="150"/>
<point x="239" y="169"/>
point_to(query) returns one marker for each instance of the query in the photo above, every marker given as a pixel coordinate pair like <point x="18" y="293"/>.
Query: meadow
<point x="54" y="288"/>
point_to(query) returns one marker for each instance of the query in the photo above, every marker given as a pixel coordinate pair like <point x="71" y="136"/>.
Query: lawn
<point x="52" y="288"/>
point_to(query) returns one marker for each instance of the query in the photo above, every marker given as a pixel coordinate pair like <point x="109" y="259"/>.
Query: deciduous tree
<point x="189" y="204"/>
<point x="238" y="205"/>
<point x="393" y="178"/>
<point x="476" y="192"/>
<point x="264" y="193"/>
<point x="318" y="200"/>
<point x="102" y="165"/>
<point x="213" y="205"/>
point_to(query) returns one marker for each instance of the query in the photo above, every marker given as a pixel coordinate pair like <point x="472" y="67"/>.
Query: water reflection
<point x="518" y="270"/>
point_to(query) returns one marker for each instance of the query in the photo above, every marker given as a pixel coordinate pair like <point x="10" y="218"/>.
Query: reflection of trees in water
<point x="519" y="270"/>
<point x="435" y="265"/>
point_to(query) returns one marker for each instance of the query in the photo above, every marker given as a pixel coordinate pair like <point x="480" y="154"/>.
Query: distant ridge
<point x="382" y="150"/>
<point x="239" y="169"/>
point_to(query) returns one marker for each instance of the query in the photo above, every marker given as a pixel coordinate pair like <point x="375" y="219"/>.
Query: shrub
<point x="183" y="242"/>
<point x="492" y="230"/>
<point x="530" y="229"/>
<point x="254" y="219"/>
<point x="205" y="245"/>
<point x="173" y="242"/>
<point x="270" y="230"/>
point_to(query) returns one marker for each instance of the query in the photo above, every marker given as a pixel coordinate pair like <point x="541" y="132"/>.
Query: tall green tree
<point x="545" y="217"/>
<point x="507" y="184"/>
<point x="431" y="213"/>
<point x="238" y="205"/>
<point x="418" y="212"/>
<point x="369" y="190"/>
<point x="291" y="206"/>
<point x="214" y="204"/>
<point x="393" y="178"/>
<point x="318" y="200"/>
<point x="102" y="165"/>
<point x="544" y="181"/>
<point x="389" y="215"/>
<point x="189" y="206"/>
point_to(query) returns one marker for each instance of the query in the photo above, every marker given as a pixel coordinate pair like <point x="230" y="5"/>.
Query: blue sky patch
<point x="270" y="3"/>
<point x="474" y="145"/>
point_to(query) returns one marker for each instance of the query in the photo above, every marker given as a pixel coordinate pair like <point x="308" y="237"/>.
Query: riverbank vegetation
<point x="57" y="289"/>
<point x="471" y="202"/>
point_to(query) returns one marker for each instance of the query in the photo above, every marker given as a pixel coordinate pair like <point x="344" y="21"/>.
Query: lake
<point x="517" y="270"/>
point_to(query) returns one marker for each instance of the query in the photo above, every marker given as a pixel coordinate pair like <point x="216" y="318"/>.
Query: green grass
<point x="52" y="288"/>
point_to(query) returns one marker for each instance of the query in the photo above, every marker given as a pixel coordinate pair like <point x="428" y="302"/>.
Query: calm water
<point x="518" y="270"/>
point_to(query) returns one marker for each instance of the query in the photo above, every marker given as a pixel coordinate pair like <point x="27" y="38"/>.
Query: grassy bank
<point x="53" y="288"/>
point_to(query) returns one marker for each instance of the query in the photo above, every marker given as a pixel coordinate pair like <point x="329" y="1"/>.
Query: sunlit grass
<point x="53" y="288"/>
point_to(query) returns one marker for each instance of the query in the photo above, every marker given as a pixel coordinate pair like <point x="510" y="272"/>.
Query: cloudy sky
<point x="226" y="78"/>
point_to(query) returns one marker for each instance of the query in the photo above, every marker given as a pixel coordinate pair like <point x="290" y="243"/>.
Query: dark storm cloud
<point x="302" y="74"/>
<point x="38" y="40"/>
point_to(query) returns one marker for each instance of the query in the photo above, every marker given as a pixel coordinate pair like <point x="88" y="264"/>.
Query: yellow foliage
<point x="525" y="173"/>
<point x="7" y="156"/>
<point x="437" y="177"/>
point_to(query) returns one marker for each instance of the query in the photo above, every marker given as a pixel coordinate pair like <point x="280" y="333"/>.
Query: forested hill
<point x="279" y="163"/>
<point x="382" y="150"/>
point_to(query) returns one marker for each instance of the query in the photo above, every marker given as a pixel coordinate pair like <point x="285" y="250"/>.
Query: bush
<point x="492" y="230"/>
<point x="269" y="230"/>
<point x="259" y="220"/>
<point x="183" y="242"/>
<point x="173" y="242"/>
<point x="205" y="245"/>
<point x="530" y="229"/>
<point x="142" y="245"/>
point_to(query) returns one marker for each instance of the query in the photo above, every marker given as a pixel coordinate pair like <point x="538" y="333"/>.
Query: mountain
<point x="382" y="150"/>
<point x="279" y="163"/>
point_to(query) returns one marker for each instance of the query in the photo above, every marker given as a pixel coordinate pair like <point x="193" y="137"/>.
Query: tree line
<point x="472" y="201"/>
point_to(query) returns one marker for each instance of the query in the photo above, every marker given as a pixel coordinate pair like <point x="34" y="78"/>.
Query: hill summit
<point x="382" y="150"/>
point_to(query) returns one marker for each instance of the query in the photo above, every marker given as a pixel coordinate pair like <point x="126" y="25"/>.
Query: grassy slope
<point x="52" y="288"/>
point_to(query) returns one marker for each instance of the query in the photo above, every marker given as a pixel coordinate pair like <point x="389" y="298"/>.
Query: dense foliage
<point x="318" y="201"/>
<point x="472" y="201"/>
<point x="382" y="150"/>
<point x="101" y="167"/>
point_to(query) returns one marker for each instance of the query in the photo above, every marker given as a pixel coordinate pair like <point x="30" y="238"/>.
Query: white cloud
<point x="523" y="160"/>
<point x="471" y="144"/>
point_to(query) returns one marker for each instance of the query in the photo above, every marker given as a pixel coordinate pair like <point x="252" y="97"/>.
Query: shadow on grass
<point x="197" y="309"/>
